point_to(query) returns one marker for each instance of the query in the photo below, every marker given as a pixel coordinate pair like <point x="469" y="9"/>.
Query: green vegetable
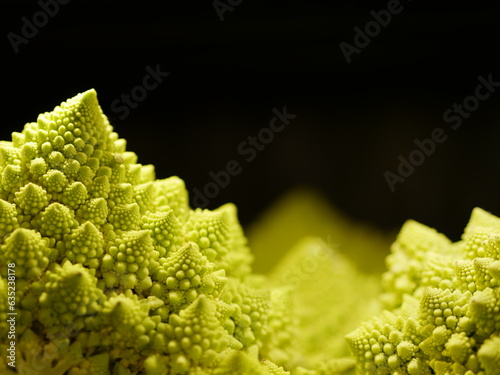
<point x="114" y="273"/>
<point x="442" y="304"/>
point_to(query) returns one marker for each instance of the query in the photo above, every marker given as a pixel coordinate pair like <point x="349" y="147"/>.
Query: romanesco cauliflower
<point x="442" y="303"/>
<point x="114" y="272"/>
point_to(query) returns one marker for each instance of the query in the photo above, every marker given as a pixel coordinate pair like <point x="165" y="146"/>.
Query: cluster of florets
<point x="443" y="305"/>
<point x="114" y="272"/>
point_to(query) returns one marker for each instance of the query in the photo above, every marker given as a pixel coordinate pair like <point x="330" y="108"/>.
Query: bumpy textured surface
<point x="442" y="303"/>
<point x="114" y="272"/>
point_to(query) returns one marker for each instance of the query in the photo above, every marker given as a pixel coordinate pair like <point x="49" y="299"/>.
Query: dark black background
<point x="353" y="120"/>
